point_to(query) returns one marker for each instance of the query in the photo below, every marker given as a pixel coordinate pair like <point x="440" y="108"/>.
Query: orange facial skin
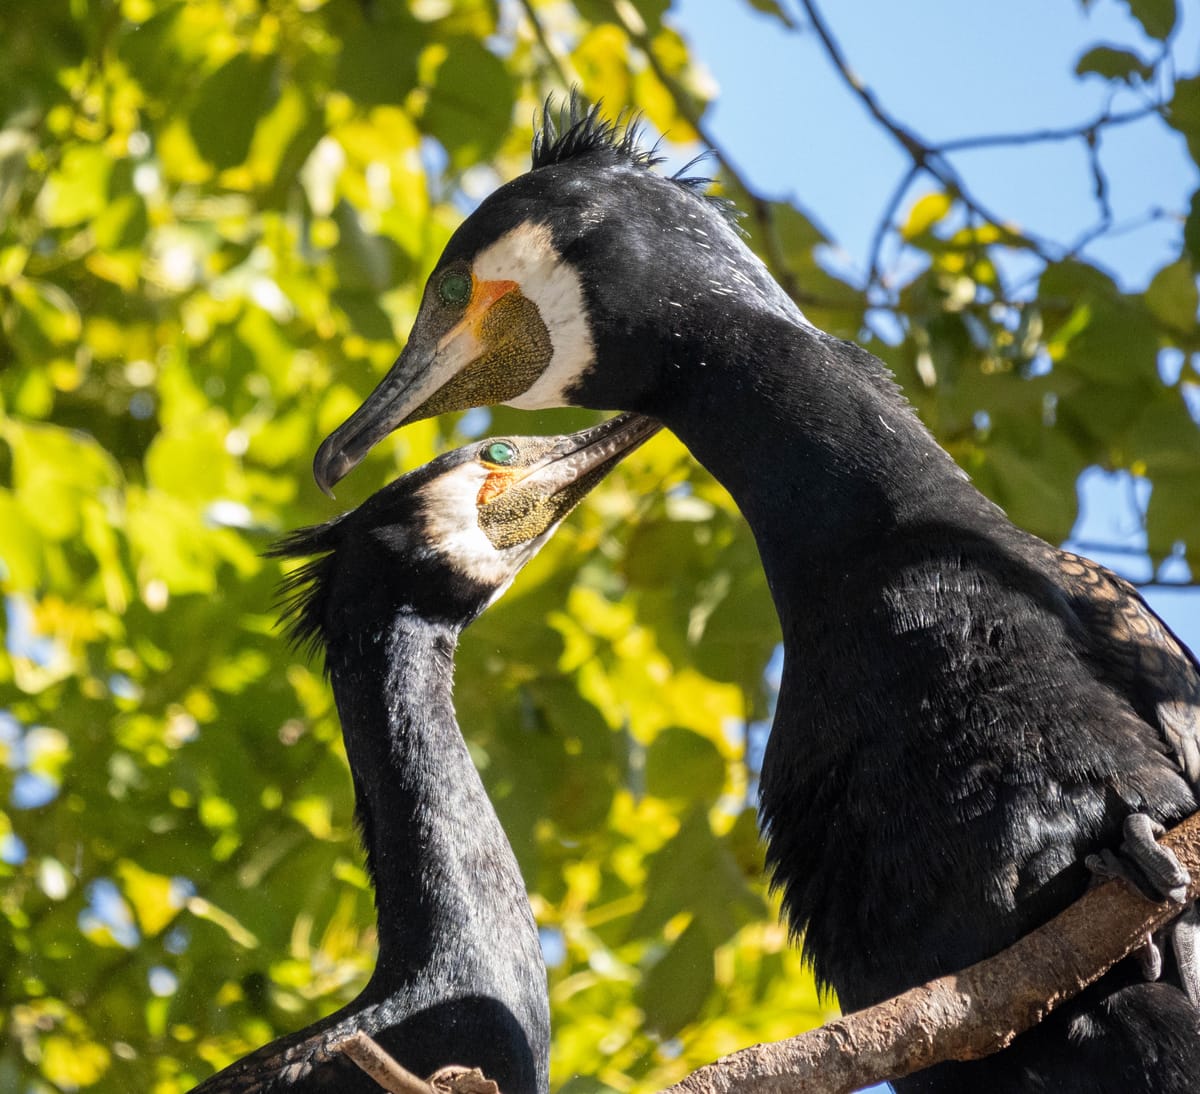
<point x="497" y="482"/>
<point x="483" y="295"/>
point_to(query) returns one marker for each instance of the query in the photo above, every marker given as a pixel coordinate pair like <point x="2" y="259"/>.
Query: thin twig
<point x="874" y="274"/>
<point x="925" y="156"/>
<point x="557" y="62"/>
<point x="932" y="158"/>
<point x="1045" y="136"/>
<point x="759" y="206"/>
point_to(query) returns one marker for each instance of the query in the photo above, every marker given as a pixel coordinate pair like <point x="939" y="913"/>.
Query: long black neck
<point x="433" y="840"/>
<point x="811" y="437"/>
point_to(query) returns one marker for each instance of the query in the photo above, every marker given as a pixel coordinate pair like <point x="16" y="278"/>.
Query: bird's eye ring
<point x="500" y="452"/>
<point x="454" y="288"/>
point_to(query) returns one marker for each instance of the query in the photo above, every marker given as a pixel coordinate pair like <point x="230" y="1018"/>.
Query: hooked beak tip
<point x="330" y="466"/>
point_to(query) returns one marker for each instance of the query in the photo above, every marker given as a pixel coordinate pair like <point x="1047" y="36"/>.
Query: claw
<point x="1145" y="864"/>
<point x="1184" y="934"/>
<point x="1165" y="873"/>
<point x="1149" y="957"/>
<point x="1158" y="875"/>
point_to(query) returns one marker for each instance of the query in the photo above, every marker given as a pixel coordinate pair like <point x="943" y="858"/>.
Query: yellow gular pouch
<point x="516" y="516"/>
<point x="496" y="483"/>
<point x="517" y="349"/>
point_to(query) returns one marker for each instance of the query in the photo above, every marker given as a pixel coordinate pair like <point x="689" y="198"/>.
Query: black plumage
<point x="460" y="977"/>
<point x="966" y="712"/>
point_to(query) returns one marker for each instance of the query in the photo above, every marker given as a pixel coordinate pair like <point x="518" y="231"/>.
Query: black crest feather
<point x="304" y="593"/>
<point x="576" y="129"/>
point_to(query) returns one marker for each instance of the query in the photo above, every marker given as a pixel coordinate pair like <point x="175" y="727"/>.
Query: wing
<point x="1136" y="652"/>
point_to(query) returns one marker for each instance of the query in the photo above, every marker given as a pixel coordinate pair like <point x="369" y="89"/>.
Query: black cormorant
<point x="966" y="712"/>
<point x="460" y="977"/>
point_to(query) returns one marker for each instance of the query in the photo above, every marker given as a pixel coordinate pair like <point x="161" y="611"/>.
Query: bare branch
<point x="759" y="206"/>
<point x="1046" y="136"/>
<point x="874" y="272"/>
<point x="932" y="158"/>
<point x="963" y="1016"/>
<point x="380" y="1065"/>
<point x="559" y="64"/>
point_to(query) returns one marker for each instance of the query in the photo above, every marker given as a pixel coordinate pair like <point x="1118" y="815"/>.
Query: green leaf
<point x="1113" y="64"/>
<point x="696" y="872"/>
<point x="470" y="105"/>
<point x="772" y="8"/>
<point x="378" y="64"/>
<point x="1191" y="231"/>
<point x="652" y="12"/>
<point x="1172" y="296"/>
<point x="228" y="106"/>
<point x="1171" y="517"/>
<point x="46" y="320"/>
<point x="123" y="224"/>
<point x="1031" y="475"/>
<point x="1158" y="17"/>
<point x="1113" y="343"/>
<point x="77" y="188"/>
<point x="683" y="764"/>
<point x="926" y="212"/>
<point x="364" y="261"/>
<point x="675" y="987"/>
<point x="1183" y="113"/>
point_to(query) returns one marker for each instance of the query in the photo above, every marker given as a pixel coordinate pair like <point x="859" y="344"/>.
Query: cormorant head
<point x="447" y="539"/>
<point x="590" y="256"/>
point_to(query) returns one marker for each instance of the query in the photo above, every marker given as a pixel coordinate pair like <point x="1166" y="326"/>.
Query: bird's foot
<point x="1158" y="875"/>
<point x="1152" y="869"/>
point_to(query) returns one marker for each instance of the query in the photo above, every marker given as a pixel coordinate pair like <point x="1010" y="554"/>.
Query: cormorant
<point x="460" y="977"/>
<point x="966" y="712"/>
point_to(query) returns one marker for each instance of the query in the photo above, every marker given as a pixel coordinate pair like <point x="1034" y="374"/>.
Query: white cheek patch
<point x="452" y="528"/>
<point x="527" y="256"/>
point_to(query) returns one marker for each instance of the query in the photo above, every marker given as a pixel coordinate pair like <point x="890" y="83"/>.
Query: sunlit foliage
<point x="215" y="221"/>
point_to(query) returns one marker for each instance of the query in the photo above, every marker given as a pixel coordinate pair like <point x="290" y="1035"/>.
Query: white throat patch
<point x="451" y="527"/>
<point x="527" y="256"/>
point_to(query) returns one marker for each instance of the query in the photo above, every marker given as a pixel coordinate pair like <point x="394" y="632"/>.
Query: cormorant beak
<point x="581" y="459"/>
<point x="516" y="508"/>
<point x="433" y="375"/>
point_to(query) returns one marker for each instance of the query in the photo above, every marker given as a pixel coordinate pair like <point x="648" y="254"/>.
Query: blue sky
<point x="950" y="69"/>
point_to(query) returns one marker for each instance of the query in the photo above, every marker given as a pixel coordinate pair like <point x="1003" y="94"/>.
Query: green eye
<point x="500" y="452"/>
<point x="454" y="288"/>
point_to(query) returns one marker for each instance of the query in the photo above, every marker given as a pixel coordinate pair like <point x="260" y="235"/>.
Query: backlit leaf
<point x="1113" y="64"/>
<point x="227" y="108"/>
<point x="1157" y="17"/>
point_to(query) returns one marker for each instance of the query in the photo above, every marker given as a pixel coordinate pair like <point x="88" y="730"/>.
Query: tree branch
<point x="925" y="156"/>
<point x="963" y="1016"/>
<point x="932" y="158"/>
<point x="1047" y="136"/>
<point x="380" y="1065"/>
<point x="370" y="1056"/>
<point x="759" y="206"/>
<point x="559" y="64"/>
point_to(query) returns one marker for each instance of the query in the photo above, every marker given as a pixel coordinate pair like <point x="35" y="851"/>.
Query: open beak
<point x="524" y="508"/>
<point x="430" y="377"/>
<point x="581" y="459"/>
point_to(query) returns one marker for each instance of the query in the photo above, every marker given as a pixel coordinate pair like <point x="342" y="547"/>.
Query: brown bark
<point x="967" y="1014"/>
<point x="963" y="1016"/>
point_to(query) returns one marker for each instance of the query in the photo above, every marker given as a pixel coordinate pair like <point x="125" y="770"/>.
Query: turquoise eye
<point x="500" y="452"/>
<point x="454" y="288"/>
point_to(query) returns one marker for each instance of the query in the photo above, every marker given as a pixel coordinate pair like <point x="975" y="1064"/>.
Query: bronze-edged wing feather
<point x="1136" y="652"/>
